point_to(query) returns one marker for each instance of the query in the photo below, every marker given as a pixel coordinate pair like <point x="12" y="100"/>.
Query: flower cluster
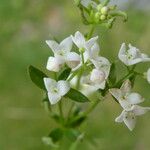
<point x="97" y="12"/>
<point x="128" y="100"/>
<point x="92" y="71"/>
<point x="86" y="62"/>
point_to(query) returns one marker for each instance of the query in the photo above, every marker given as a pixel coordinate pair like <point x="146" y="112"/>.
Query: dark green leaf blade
<point x="64" y="74"/>
<point x="112" y="76"/>
<point x="37" y="77"/>
<point x="76" y="96"/>
<point x="56" y="135"/>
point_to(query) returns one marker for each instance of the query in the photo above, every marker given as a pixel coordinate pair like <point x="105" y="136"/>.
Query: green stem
<point x="60" y="109"/>
<point x="89" y="110"/>
<point x="91" y="32"/>
<point x="130" y="74"/>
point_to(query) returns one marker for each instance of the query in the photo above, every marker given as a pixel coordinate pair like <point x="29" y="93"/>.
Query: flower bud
<point x="97" y="17"/>
<point x="81" y="50"/>
<point x="99" y="7"/>
<point x="102" y="17"/>
<point x="104" y="10"/>
<point x="97" y="76"/>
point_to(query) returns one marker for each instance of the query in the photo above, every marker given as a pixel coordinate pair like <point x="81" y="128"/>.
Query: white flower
<point x="148" y="75"/>
<point x="56" y="89"/>
<point x="129" y="117"/>
<point x="125" y="97"/>
<point x="102" y="68"/>
<point x="82" y="43"/>
<point x="132" y="55"/>
<point x="62" y="53"/>
<point x="97" y="76"/>
<point x="92" y="53"/>
<point x="54" y="64"/>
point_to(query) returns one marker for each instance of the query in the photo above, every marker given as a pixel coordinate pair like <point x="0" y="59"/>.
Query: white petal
<point x="130" y="122"/>
<point x="103" y="64"/>
<point x="93" y="52"/>
<point x="97" y="76"/>
<point x="79" y="40"/>
<point x="53" y="45"/>
<point x="122" y="51"/>
<point x="138" y="110"/>
<point x="148" y="75"/>
<point x="54" y="64"/>
<point x="66" y="44"/>
<point x="50" y="84"/>
<point x="134" y="98"/>
<point x="134" y="61"/>
<point x="100" y="85"/>
<point x="125" y="105"/>
<point x="53" y="97"/>
<point x="116" y="93"/>
<point x="63" y="87"/>
<point x="120" y="117"/>
<point x="145" y="57"/>
<point x="72" y="59"/>
<point x="126" y="87"/>
<point x="91" y="42"/>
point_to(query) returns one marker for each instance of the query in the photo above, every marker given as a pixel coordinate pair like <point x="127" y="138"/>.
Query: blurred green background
<point x="24" y="27"/>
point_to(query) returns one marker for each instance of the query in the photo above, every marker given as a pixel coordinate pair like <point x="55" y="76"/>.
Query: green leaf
<point x="72" y="134"/>
<point x="64" y="74"/>
<point x="76" y="96"/>
<point x="76" y="123"/>
<point x="37" y="77"/>
<point x="112" y="76"/>
<point x="56" y="134"/>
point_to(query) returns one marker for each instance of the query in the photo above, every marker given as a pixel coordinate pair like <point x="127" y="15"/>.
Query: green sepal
<point x="75" y="123"/>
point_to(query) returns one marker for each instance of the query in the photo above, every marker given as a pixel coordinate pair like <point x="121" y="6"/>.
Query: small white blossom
<point x="132" y="55"/>
<point x="129" y="117"/>
<point x="125" y="97"/>
<point x="62" y="53"/>
<point x="82" y="43"/>
<point x="148" y="75"/>
<point x="97" y="76"/>
<point x="54" y="64"/>
<point x="56" y="89"/>
<point x="102" y="67"/>
<point x="92" y="53"/>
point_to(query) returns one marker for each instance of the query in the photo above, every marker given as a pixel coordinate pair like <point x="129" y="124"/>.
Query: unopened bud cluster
<point x="100" y="13"/>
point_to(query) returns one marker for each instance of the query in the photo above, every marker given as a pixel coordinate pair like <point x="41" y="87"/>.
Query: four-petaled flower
<point x="62" y="54"/>
<point x="125" y="96"/>
<point x="56" y="90"/>
<point x="99" y="74"/>
<point x="129" y="117"/>
<point x="132" y="55"/>
<point x="82" y="43"/>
